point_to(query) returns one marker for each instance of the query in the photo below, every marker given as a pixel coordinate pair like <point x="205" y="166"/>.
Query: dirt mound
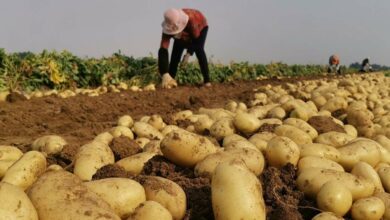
<point x="268" y="128"/>
<point x="14" y="97"/>
<point x="124" y="147"/>
<point x="111" y="170"/>
<point x="282" y="198"/>
<point x="198" y="190"/>
<point x="65" y="157"/>
<point x="325" y="124"/>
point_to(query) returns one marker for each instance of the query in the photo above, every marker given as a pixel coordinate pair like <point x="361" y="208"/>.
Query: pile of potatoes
<point x="344" y="172"/>
<point x="88" y="92"/>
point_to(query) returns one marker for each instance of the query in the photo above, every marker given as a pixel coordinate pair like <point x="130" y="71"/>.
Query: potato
<point x="26" y="170"/>
<point x="232" y="138"/>
<point x="370" y="208"/>
<point x="8" y="156"/>
<point x="271" y="121"/>
<point x="104" y="137"/>
<point x="222" y="128"/>
<point x="293" y="133"/>
<point x="334" y="104"/>
<point x="253" y="159"/>
<point x="121" y="131"/>
<point x="185" y="148"/>
<point x="384" y="174"/>
<point x="242" y="144"/>
<point x="320" y="150"/>
<point x="153" y="147"/>
<point x="15" y="204"/>
<point x="246" y="123"/>
<point x="142" y="142"/>
<point x="203" y="124"/>
<point x="367" y="172"/>
<point x="310" y="181"/>
<point x="280" y="151"/>
<point x="327" y="216"/>
<point x="277" y="112"/>
<point x="318" y="162"/>
<point x="334" y="197"/>
<point x="260" y="140"/>
<point x="384" y="141"/>
<point x="236" y="193"/>
<point x="333" y="138"/>
<point x="49" y="144"/>
<point x="385" y="197"/>
<point x="359" y="150"/>
<point x="61" y="195"/>
<point x="135" y="163"/>
<point x="303" y="125"/>
<point x="167" y="193"/>
<point x="150" y="210"/>
<point x="182" y="115"/>
<point x="122" y="194"/>
<point x="143" y="129"/>
<point x="91" y="157"/>
<point x="167" y="129"/>
<point x="351" y="131"/>
<point x="157" y="122"/>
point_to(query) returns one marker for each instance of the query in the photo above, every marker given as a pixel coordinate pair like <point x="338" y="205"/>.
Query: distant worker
<point x="189" y="29"/>
<point x="334" y="64"/>
<point x="366" y="66"/>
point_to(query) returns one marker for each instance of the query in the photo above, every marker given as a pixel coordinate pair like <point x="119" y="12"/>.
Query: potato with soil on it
<point x="236" y="193"/>
<point x="119" y="131"/>
<point x="222" y="128"/>
<point x="281" y="151"/>
<point x="370" y="208"/>
<point x="150" y="210"/>
<point x="26" y="170"/>
<point x="61" y="195"/>
<point x="335" y="139"/>
<point x="15" y="204"/>
<point x="145" y="130"/>
<point x="8" y="156"/>
<point x="240" y="144"/>
<point x="246" y="123"/>
<point x="318" y="162"/>
<point x="90" y="157"/>
<point x="320" y="150"/>
<point x="49" y="144"/>
<point x="297" y="135"/>
<point x="334" y="197"/>
<point x="185" y="148"/>
<point x="385" y="197"/>
<point x="260" y="140"/>
<point x="366" y="171"/>
<point x="232" y="138"/>
<point x="311" y="180"/>
<point x="135" y="163"/>
<point x="303" y="125"/>
<point x="105" y="137"/>
<point x="327" y="216"/>
<point x="123" y="195"/>
<point x="167" y="193"/>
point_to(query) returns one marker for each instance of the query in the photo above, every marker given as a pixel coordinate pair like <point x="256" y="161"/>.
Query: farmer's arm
<point x="163" y="60"/>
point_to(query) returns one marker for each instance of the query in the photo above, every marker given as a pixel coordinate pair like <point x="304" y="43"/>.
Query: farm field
<point x="292" y="135"/>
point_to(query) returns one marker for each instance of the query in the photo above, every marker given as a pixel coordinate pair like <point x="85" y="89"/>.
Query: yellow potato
<point x="236" y="193"/>
<point x="8" y="156"/>
<point x="260" y="140"/>
<point x="61" y="195"/>
<point x="280" y="151"/>
<point x="135" y="163"/>
<point x="167" y="129"/>
<point x="143" y="129"/>
<point x="385" y="197"/>
<point x="26" y="170"/>
<point x="334" y="197"/>
<point x="142" y="142"/>
<point x="153" y="147"/>
<point x="150" y="210"/>
<point x="310" y="181"/>
<point x="222" y="128"/>
<point x="334" y="104"/>
<point x="232" y="138"/>
<point x="246" y="123"/>
<point x="333" y="138"/>
<point x="105" y="137"/>
<point x="157" y="122"/>
<point x="318" y="162"/>
<point x="320" y="150"/>
<point x="167" y="193"/>
<point x="360" y="149"/>
<point x="370" y="208"/>
<point x="203" y="124"/>
<point x="123" y="195"/>
<point x="303" y="125"/>
<point x="351" y="130"/>
<point x="297" y="135"/>
<point x="49" y="144"/>
<point x="242" y="144"/>
<point x="15" y="204"/>
<point x="91" y="157"/>
<point x="121" y="131"/>
<point x="367" y="172"/>
<point x="327" y="216"/>
<point x="185" y="148"/>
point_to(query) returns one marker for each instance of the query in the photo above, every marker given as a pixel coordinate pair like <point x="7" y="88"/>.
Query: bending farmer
<point x="189" y="29"/>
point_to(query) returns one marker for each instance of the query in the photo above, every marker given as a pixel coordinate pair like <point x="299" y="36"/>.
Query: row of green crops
<point x="61" y="70"/>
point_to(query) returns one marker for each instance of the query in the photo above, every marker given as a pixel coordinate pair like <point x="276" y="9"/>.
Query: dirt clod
<point x="325" y="124"/>
<point x="14" y="97"/>
<point x="123" y="147"/>
<point x="109" y="171"/>
<point x="268" y="127"/>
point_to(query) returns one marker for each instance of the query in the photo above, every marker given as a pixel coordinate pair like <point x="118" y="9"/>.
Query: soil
<point x="325" y="124"/>
<point x="124" y="147"/>
<point x="79" y="119"/>
<point x="268" y="127"/>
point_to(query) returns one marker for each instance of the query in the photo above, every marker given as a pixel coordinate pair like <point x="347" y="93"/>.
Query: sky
<point x="258" y="31"/>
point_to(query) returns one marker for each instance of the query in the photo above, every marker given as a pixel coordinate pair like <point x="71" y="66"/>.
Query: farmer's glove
<point x="185" y="59"/>
<point x="168" y="82"/>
